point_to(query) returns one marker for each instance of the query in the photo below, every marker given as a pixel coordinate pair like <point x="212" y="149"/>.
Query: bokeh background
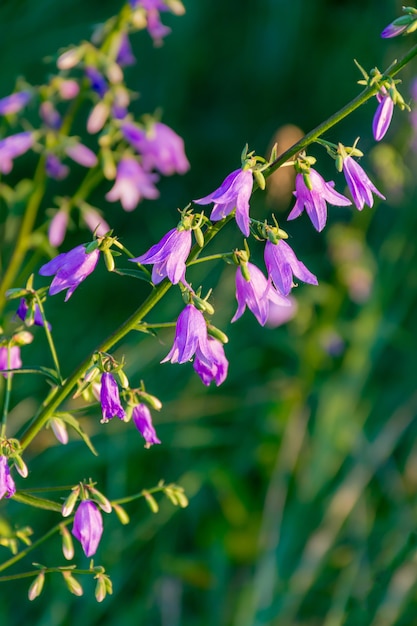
<point x="302" y="468"/>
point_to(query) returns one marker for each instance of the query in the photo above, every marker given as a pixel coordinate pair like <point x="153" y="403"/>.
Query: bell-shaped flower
<point x="383" y="114"/>
<point x="125" y="54"/>
<point x="14" y="103"/>
<point x="142" y="419"/>
<point x="281" y="264"/>
<point x="168" y="256"/>
<point x="82" y="155"/>
<point x="9" y="359"/>
<point x="58" y="228"/>
<point x="155" y="27"/>
<point x="314" y="200"/>
<point x="190" y="336"/>
<point x="360" y="186"/>
<point x="70" y="269"/>
<point x="234" y="193"/>
<point x="7" y="486"/>
<point x="94" y="221"/>
<point x="54" y="168"/>
<point x="217" y="369"/>
<point x="12" y="147"/>
<point x="34" y="318"/>
<point x="88" y="526"/>
<point x="161" y="148"/>
<point x="109" y="398"/>
<point x="256" y="294"/>
<point x="132" y="184"/>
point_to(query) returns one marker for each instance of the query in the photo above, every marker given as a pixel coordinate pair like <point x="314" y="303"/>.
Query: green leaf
<point x="39" y="503"/>
<point x="72" y="421"/>
<point x="141" y="275"/>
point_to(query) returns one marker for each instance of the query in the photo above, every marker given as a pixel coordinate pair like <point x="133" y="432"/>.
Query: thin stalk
<point x="7" y="396"/>
<point x="49" y="338"/>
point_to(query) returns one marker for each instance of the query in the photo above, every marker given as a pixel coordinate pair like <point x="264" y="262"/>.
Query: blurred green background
<point x="302" y="467"/>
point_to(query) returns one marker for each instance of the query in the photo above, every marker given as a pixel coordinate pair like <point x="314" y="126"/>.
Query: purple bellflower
<point x="97" y="81"/>
<point x="190" y="336"/>
<point x="95" y="222"/>
<point x="23" y="310"/>
<point x="142" y="419"/>
<point x="54" y="168"/>
<point x="132" y="184"/>
<point x="234" y="192"/>
<point x="12" y="147"/>
<point x="256" y="294"/>
<point x="359" y="184"/>
<point x="7" y="486"/>
<point x="10" y="359"/>
<point x="168" y="256"/>
<point x="109" y="398"/>
<point x="279" y="315"/>
<point x="50" y="115"/>
<point x="156" y="29"/>
<point x="88" y="526"/>
<point x="161" y="148"/>
<point x="383" y="115"/>
<point x="217" y="370"/>
<point x="14" y="103"/>
<point x="282" y="264"/>
<point x="393" y="29"/>
<point x="314" y="200"/>
<point x="70" y="269"/>
<point x="125" y="54"/>
<point x="58" y="228"/>
<point x="82" y="155"/>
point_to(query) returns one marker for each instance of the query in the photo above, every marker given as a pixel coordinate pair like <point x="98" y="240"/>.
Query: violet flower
<point x="70" y="269"/>
<point x="125" y="55"/>
<point x="9" y="359"/>
<point x="279" y="315"/>
<point x="161" y="148"/>
<point x="58" y="228"/>
<point x="256" y="294"/>
<point x="82" y="155"/>
<point x="314" y="200"/>
<point x="282" y="264"/>
<point x="234" y="192"/>
<point x="97" y="81"/>
<point x="14" y="103"/>
<point x="132" y="184"/>
<point x="383" y="115"/>
<point x="50" y="115"/>
<point x="155" y="28"/>
<point x="23" y="310"/>
<point x="12" y="147"/>
<point x="54" y="168"/>
<point x="190" y="336"/>
<point x="95" y="222"/>
<point x="168" y="256"/>
<point x="88" y="526"/>
<point x="217" y="369"/>
<point x="68" y="89"/>
<point x="393" y="29"/>
<point x="142" y="419"/>
<point x="109" y="398"/>
<point x="7" y="486"/>
<point x="359" y="184"/>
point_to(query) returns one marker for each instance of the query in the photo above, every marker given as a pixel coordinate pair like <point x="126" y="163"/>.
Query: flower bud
<point x="114" y="73"/>
<point x="70" y="502"/>
<point x="121" y="514"/>
<point x="199" y="236"/>
<point x="108" y="260"/>
<point x="20" y="466"/>
<point x="67" y="543"/>
<point x="260" y="179"/>
<point x="100" y="591"/>
<point x="59" y="429"/>
<point x="124" y="381"/>
<point x="217" y="333"/>
<point x="23" y="338"/>
<point x="36" y="587"/>
<point x="70" y="58"/>
<point x="97" y="117"/>
<point x="100" y="499"/>
<point x="152" y="503"/>
<point x="72" y="584"/>
<point x="153" y="401"/>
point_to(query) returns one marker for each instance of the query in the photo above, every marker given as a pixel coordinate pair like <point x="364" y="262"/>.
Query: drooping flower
<point x="54" y="168"/>
<point x="279" y="315"/>
<point x="95" y="222"/>
<point x="168" y="256"/>
<point x="256" y="294"/>
<point x="282" y="264"/>
<point x="132" y="184"/>
<point x="314" y="200"/>
<point x="125" y="54"/>
<point x="383" y="115"/>
<point x="23" y="311"/>
<point x="110" y="399"/>
<point x="12" y="147"/>
<point x="81" y="154"/>
<point x="10" y="359"/>
<point x="142" y="419"/>
<point x="359" y="184"/>
<point x="190" y="336"/>
<point x="14" y="103"/>
<point x="217" y="369"/>
<point x="234" y="193"/>
<point x="7" y="486"/>
<point x="155" y="28"/>
<point x="58" y="228"/>
<point x="88" y="526"/>
<point x="70" y="269"/>
<point x="161" y="148"/>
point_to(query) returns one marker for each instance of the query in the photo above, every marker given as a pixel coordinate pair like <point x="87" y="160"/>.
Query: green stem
<point x="7" y="396"/>
<point x="49" y="338"/>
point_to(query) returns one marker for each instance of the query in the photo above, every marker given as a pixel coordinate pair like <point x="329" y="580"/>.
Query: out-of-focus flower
<point x="282" y="264"/>
<point x="55" y="169"/>
<point x="359" y="184"/>
<point x="58" y="228"/>
<point x="190" y="336"/>
<point x="161" y="148"/>
<point x="168" y="256"/>
<point x="68" y="89"/>
<point x="314" y="200"/>
<point x="97" y="81"/>
<point x="125" y="55"/>
<point x="256" y="294"/>
<point x="383" y="115"/>
<point x="142" y="419"/>
<point x="109" y="398"/>
<point x="155" y="28"/>
<point x="132" y="184"/>
<point x="7" y="486"/>
<point x="234" y="193"/>
<point x="9" y="359"/>
<point x="50" y="115"/>
<point x="82" y="155"/>
<point x="12" y="147"/>
<point x="98" y="117"/>
<point x="279" y="315"/>
<point x="14" y="103"/>
<point x="95" y="222"/>
<point x="88" y="526"/>
<point x="217" y="369"/>
<point x="70" y="269"/>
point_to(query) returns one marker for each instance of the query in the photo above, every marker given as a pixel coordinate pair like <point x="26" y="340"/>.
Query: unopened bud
<point x="20" y="466"/>
<point x="153" y="401"/>
<point x="97" y="117"/>
<point x="245" y="271"/>
<point x="217" y="333"/>
<point x="59" y="429"/>
<point x="36" y="587"/>
<point x="124" y="381"/>
<point x="72" y="584"/>
<point x="182" y="498"/>
<point x="121" y="514"/>
<point x="67" y="543"/>
<point x="69" y="59"/>
<point x="260" y="179"/>
<point x="114" y="74"/>
<point x="23" y="338"/>
<point x="100" y="591"/>
<point x="109" y="260"/>
<point x="175" y="6"/>
<point x="199" y="237"/>
<point x="70" y="502"/>
<point x="101" y="500"/>
<point x="152" y="503"/>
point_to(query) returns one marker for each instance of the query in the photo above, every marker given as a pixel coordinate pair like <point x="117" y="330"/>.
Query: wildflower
<point x="88" y="526"/>
<point x="14" y="103"/>
<point x="234" y="192"/>
<point x="217" y="369"/>
<point x="168" y="256"/>
<point x="95" y="222"/>
<point x="383" y="114"/>
<point x="161" y="148"/>
<point x="12" y="147"/>
<point x="155" y="28"/>
<point x="314" y="199"/>
<point x="82" y="155"/>
<point x="7" y="486"/>
<point x="10" y="359"/>
<point x="70" y="269"/>
<point x="58" y="228"/>
<point x="190" y="336"/>
<point x="54" y="168"/>
<point x="35" y="316"/>
<point x="279" y="315"/>
<point x="125" y="55"/>
<point x="132" y="184"/>
<point x="98" y="117"/>
<point x="394" y="29"/>
<point x="359" y="184"/>
<point x="97" y="81"/>
<point x="256" y="293"/>
<point x="109" y="398"/>
<point x="50" y="115"/>
<point x="281" y="263"/>
<point x="142" y="419"/>
<point x="68" y="89"/>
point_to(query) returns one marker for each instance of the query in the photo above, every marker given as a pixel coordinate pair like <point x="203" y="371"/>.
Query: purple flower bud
<point x="132" y="184"/>
<point x="88" y="526"/>
<point x="70" y="269"/>
<point x="156" y="29"/>
<point x="125" y="55"/>
<point x="23" y="310"/>
<point x="58" y="228"/>
<point x="393" y="30"/>
<point x="314" y="200"/>
<point x="50" y="115"/>
<point x="109" y="398"/>
<point x="10" y="359"/>
<point x="383" y="115"/>
<point x="217" y="369"/>
<point x="12" y="147"/>
<point x="68" y="89"/>
<point x="359" y="184"/>
<point x="54" y="168"/>
<point x="82" y="155"/>
<point x="7" y="486"/>
<point x="161" y="148"/>
<point x="190" y="336"/>
<point x="234" y="193"/>
<point x="95" y="222"/>
<point x="168" y="256"/>
<point x="14" y="103"/>
<point x="256" y="293"/>
<point x="281" y="264"/>
<point x="97" y="81"/>
<point x="142" y="419"/>
<point x="98" y="117"/>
